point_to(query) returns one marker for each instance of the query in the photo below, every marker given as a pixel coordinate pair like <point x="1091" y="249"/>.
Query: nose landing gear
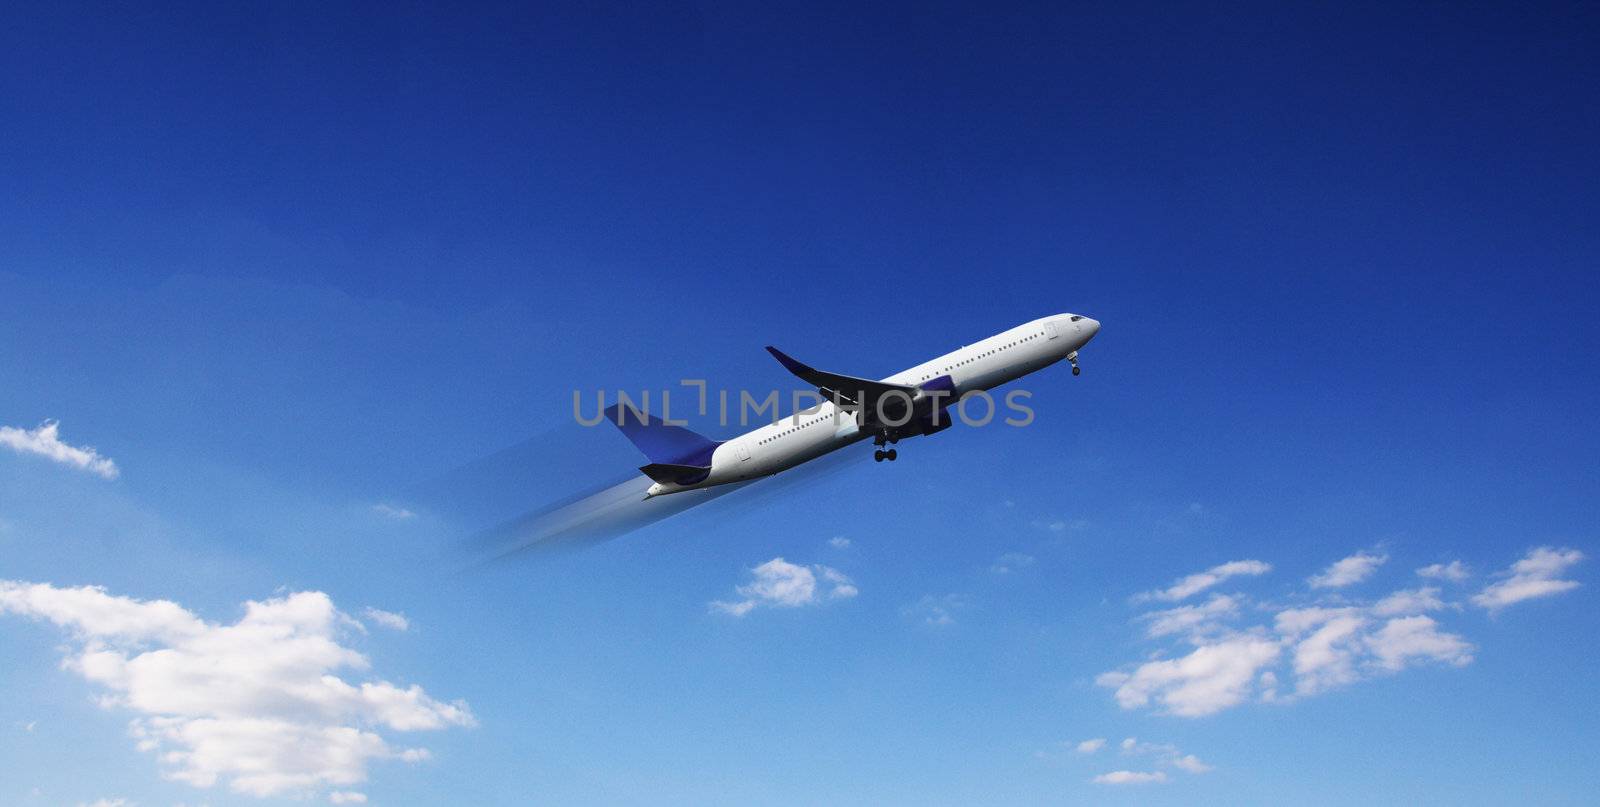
<point x="1073" y="357"/>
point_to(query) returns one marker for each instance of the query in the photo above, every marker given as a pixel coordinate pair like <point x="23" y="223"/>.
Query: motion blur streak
<point x="529" y="499"/>
<point x="619" y="509"/>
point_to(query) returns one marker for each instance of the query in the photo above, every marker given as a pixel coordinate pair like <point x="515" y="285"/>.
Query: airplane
<point x="910" y="403"/>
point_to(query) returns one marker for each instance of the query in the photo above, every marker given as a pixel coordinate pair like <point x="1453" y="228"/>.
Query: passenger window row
<point x="791" y="430"/>
<point x="988" y="353"/>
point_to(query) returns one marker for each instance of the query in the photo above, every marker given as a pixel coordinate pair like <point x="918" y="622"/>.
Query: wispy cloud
<point x="258" y="703"/>
<point x="1091" y="746"/>
<point x="1187" y="587"/>
<point x="1011" y="562"/>
<point x="838" y="585"/>
<point x="1349" y="571"/>
<point x="1326" y="657"/>
<point x="1535" y="575"/>
<point x="839" y="542"/>
<point x="936" y="611"/>
<point x="393" y="511"/>
<point x="1454" y="571"/>
<point x="387" y="619"/>
<point x="1166" y="755"/>
<point x="1415" y="638"/>
<point x="1060" y="525"/>
<point x="1130" y="778"/>
<point x="1327" y="643"/>
<point x="781" y="584"/>
<point x="1209" y="679"/>
<point x="1409" y="601"/>
<point x="45" y="441"/>
<point x="1335" y="647"/>
<point x="1191" y="619"/>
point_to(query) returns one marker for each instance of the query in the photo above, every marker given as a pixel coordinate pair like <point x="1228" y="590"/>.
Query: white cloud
<point x="779" y="583"/>
<point x="1416" y="637"/>
<point x="387" y="619"/>
<point x="1091" y="746"/>
<point x="1454" y="571"/>
<point x="1409" y="601"/>
<point x="347" y="797"/>
<point x="1166" y="754"/>
<point x="1292" y="622"/>
<point x="937" y="611"/>
<point x="1327" y="657"/>
<point x="1328" y="642"/>
<point x="1058" y="525"/>
<point x="106" y="803"/>
<point x="1200" y="581"/>
<point x="1268" y="682"/>
<point x="1213" y="677"/>
<point x="733" y="608"/>
<point x="1191" y="619"/>
<point x="840" y="586"/>
<point x="257" y="703"/>
<point x="45" y="441"/>
<point x="1334" y="647"/>
<point x="1130" y="778"/>
<point x="1348" y="571"/>
<point x="839" y="542"/>
<point x="392" y="511"/>
<point x="1534" y="576"/>
<point x="1010" y="562"/>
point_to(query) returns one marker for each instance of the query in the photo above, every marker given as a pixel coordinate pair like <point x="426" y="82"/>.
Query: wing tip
<point x="788" y="362"/>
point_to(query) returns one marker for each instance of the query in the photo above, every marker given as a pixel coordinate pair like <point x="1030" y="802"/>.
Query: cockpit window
<point x="1075" y="317"/>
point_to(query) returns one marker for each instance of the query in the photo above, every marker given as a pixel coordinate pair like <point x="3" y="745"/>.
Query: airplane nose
<point x="1092" y="326"/>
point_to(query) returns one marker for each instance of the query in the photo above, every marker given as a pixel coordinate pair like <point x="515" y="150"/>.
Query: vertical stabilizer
<point x="661" y="442"/>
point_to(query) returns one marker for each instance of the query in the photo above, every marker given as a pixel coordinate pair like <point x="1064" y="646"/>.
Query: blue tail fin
<point x="661" y="442"/>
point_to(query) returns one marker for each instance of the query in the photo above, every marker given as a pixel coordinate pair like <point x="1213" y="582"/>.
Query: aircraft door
<point x="1050" y="329"/>
<point x="744" y="451"/>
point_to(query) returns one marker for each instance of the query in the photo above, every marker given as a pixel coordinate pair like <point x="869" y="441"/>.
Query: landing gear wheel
<point x="1076" y="370"/>
<point x="890" y="455"/>
<point x="877" y="456"/>
<point x="1073" y="357"/>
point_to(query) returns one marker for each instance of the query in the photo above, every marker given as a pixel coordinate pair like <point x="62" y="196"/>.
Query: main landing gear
<point x="880" y="455"/>
<point x="1073" y="357"/>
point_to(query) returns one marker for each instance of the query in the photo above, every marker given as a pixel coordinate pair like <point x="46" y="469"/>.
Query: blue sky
<point x="285" y="270"/>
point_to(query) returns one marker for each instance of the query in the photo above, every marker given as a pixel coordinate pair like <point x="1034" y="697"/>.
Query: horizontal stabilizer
<point x="675" y="474"/>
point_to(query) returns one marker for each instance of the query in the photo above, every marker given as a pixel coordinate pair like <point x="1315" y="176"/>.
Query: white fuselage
<point x="825" y="428"/>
